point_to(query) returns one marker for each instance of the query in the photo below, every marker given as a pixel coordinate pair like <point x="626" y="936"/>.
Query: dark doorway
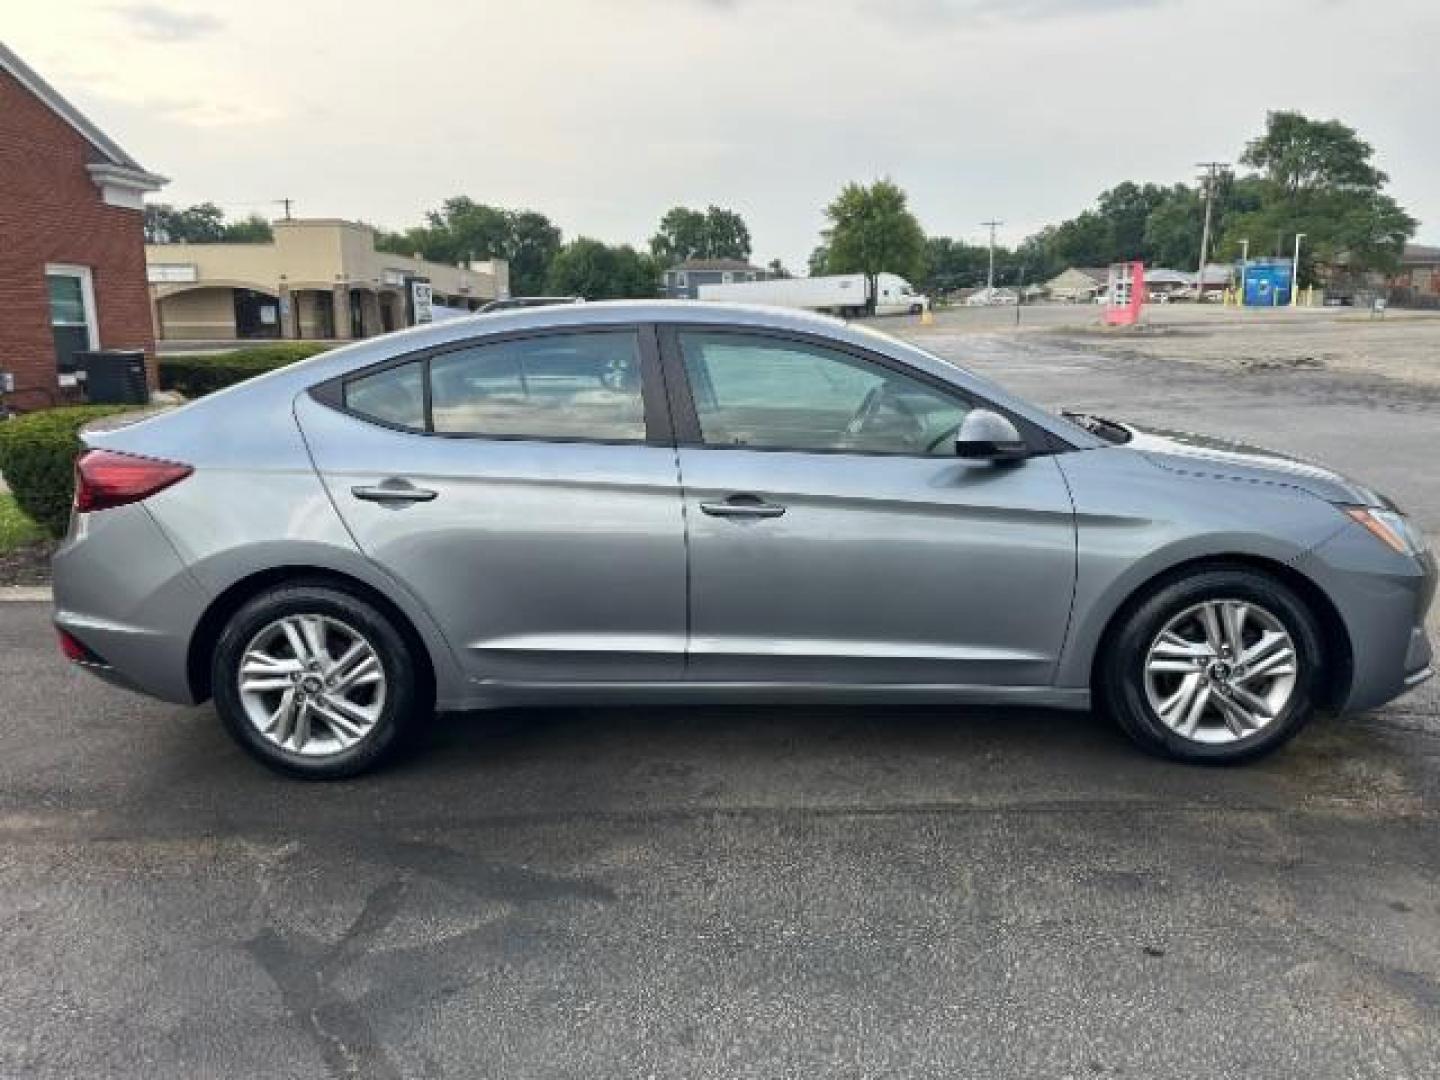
<point x="256" y="315"/>
<point x="357" y="315"/>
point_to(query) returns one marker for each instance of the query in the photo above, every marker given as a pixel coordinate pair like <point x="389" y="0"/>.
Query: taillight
<point x="105" y="479"/>
<point x="74" y="650"/>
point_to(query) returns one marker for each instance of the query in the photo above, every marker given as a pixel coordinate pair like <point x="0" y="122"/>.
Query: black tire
<point x="408" y="698"/>
<point x="1120" y="684"/>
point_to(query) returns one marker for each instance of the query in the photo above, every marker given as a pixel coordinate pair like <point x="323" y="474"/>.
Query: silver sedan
<point x="667" y="502"/>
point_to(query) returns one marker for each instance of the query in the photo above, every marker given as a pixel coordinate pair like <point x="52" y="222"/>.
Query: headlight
<point x="1390" y="527"/>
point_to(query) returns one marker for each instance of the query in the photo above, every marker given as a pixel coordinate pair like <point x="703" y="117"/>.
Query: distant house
<point x="681" y="280"/>
<point x="1078" y="284"/>
<point x="1417" y="280"/>
<point x="72" y="241"/>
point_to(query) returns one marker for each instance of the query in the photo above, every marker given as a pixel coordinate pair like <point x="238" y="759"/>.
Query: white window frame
<point x="680" y="279"/>
<point x="726" y="277"/>
<point x="87" y="297"/>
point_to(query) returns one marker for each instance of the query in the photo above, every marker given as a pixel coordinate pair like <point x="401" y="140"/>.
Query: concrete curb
<point x="25" y="594"/>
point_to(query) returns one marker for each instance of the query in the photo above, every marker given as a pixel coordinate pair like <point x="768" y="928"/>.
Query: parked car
<point x="666" y="501"/>
<point x="992" y="298"/>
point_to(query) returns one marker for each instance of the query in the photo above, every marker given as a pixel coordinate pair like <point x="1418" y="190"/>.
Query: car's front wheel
<point x="316" y="682"/>
<point x="1218" y="667"/>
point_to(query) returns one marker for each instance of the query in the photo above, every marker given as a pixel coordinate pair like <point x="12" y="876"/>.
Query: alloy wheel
<point x="1221" y="671"/>
<point x="312" y="685"/>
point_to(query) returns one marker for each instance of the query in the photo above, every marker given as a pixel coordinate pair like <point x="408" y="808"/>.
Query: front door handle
<point x="742" y="506"/>
<point x="394" y="492"/>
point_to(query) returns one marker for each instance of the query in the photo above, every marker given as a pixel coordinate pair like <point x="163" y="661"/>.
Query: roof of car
<point x="607" y="312"/>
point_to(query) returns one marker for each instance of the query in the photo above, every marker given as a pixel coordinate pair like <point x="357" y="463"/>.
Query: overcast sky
<point x="603" y="113"/>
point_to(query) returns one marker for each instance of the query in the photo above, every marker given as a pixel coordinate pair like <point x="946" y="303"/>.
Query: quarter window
<point x="558" y="386"/>
<point x="766" y="393"/>
<point x="394" y="396"/>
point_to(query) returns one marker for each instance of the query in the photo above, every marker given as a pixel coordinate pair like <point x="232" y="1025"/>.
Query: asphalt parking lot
<point x="745" y="892"/>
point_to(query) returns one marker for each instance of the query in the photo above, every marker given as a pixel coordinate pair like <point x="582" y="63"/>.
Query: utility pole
<point x="286" y="203"/>
<point x="990" y="276"/>
<point x="1207" y="192"/>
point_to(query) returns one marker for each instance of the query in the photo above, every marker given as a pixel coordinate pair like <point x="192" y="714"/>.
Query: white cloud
<point x="603" y="113"/>
<point x="161" y="23"/>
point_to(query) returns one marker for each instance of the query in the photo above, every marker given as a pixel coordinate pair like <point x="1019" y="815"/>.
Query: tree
<point x="819" y="262"/>
<point x="872" y="230"/>
<point x="252" y="229"/>
<point x="203" y="223"/>
<point x="777" y="269"/>
<point x="712" y="233"/>
<point x="598" y="271"/>
<point x="462" y="230"/>
<point x="1315" y="177"/>
<point x="1125" y="209"/>
<point x="952" y="264"/>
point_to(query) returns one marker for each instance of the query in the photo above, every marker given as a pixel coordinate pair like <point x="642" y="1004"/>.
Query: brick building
<point x="72" y="245"/>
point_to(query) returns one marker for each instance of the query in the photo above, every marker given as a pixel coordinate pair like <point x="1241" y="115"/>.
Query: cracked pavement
<point x="735" y="892"/>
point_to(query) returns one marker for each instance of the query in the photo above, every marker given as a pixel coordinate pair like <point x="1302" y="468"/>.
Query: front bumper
<point x="1382" y="599"/>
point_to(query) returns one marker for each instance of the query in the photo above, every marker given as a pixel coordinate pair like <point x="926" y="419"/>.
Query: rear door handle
<point x="392" y="492"/>
<point x="742" y="506"/>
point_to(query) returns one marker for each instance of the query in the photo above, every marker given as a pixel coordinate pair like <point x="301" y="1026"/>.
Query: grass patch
<point x="16" y="529"/>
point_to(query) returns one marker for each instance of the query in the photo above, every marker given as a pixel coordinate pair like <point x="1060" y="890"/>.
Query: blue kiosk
<point x="1268" y="283"/>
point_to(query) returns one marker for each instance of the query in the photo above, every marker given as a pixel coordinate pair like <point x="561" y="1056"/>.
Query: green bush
<point x="37" y="459"/>
<point x="196" y="376"/>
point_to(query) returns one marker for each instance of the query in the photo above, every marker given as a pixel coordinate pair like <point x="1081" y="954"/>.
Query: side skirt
<point x="503" y="695"/>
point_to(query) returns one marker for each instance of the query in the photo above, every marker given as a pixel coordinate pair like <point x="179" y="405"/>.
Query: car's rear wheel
<point x="316" y="682"/>
<point x="1218" y="667"/>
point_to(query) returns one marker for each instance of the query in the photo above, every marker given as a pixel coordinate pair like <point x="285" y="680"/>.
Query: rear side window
<point x="395" y="396"/>
<point x="559" y="386"/>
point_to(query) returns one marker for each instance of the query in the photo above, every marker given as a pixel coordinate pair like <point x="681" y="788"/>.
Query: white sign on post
<point x="422" y="295"/>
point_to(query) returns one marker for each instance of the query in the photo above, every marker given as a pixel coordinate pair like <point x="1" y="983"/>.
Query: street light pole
<point x="1295" y="273"/>
<point x="1244" y="266"/>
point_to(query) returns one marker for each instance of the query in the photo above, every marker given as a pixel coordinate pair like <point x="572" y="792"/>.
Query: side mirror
<point x="988" y="436"/>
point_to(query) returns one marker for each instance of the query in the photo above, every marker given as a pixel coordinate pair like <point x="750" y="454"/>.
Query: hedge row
<point x="196" y="376"/>
<point x="37" y="459"/>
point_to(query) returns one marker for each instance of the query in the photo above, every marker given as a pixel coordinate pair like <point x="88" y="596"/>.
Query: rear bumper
<point x="123" y="593"/>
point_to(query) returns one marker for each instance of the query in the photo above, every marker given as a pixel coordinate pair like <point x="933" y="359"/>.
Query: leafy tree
<point x="253" y="229"/>
<point x="712" y="233"/>
<point x="953" y="264"/>
<point x="818" y="264"/>
<point x="203" y="223"/>
<point x="777" y="269"/>
<point x="1125" y="209"/>
<point x="598" y="271"/>
<point x="872" y="230"/>
<point x="1316" y="177"/>
<point x="462" y="229"/>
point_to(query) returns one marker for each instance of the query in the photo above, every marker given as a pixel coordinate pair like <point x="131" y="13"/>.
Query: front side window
<point x="559" y="386"/>
<point x="766" y="393"/>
